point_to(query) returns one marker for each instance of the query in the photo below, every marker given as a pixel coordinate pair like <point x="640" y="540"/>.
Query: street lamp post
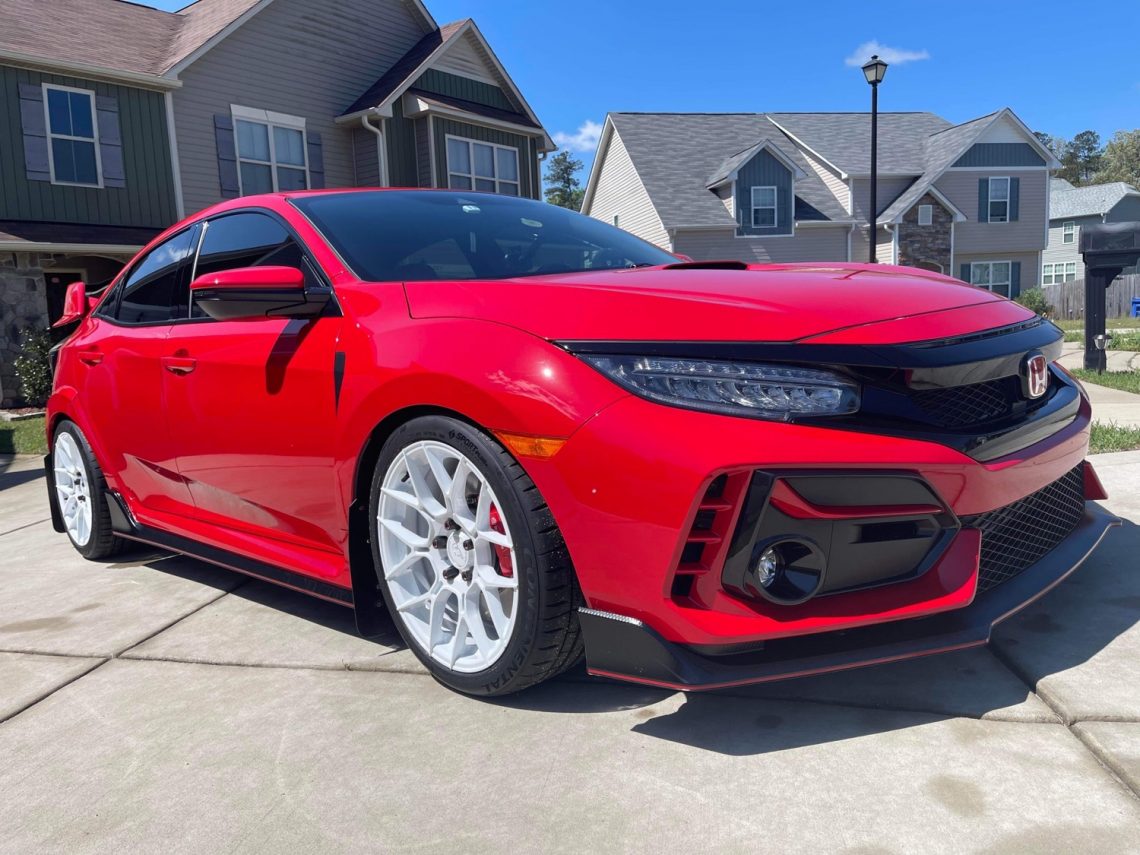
<point x="874" y="71"/>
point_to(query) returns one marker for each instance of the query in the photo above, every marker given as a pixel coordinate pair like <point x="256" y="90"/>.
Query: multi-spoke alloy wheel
<point x="447" y="556"/>
<point x="80" y="494"/>
<point x="469" y="560"/>
<point x="73" y="491"/>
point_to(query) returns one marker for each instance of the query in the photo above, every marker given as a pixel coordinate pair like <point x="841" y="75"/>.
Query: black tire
<point x="103" y="542"/>
<point x="546" y="637"/>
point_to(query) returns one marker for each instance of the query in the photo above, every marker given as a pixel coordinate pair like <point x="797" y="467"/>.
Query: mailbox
<point x="1107" y="248"/>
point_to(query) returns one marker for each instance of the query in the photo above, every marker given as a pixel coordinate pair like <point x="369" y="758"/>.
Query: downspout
<point x="850" y="232"/>
<point x="380" y="153"/>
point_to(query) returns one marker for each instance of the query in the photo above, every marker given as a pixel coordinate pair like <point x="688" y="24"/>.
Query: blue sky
<point x="577" y="61"/>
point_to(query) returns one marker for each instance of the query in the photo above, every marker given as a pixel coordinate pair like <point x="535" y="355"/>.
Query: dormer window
<point x="764" y="208"/>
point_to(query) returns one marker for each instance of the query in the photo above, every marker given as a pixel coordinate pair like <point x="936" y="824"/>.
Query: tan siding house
<point x="968" y="200"/>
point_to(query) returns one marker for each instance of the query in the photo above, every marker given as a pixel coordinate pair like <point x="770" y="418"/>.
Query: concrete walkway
<point x="157" y="703"/>
<point x="1110" y="406"/>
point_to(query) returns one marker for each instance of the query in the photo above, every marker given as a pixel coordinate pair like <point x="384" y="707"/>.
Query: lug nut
<point x="450" y="525"/>
<point x="450" y="573"/>
<point x="439" y="542"/>
<point x="468" y="545"/>
<point x="467" y="574"/>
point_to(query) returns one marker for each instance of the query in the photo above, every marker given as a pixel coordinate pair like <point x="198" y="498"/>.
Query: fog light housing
<point x="786" y="570"/>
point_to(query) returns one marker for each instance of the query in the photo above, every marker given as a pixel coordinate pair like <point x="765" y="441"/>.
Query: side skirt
<point x="126" y="526"/>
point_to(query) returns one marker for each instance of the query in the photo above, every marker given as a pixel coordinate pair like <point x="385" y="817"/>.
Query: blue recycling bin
<point x="1135" y="307"/>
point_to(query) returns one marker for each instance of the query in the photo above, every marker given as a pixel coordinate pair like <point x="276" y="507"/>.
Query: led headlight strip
<point x="733" y="388"/>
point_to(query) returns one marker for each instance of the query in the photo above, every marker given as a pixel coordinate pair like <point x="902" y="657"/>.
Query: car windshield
<point x="398" y="235"/>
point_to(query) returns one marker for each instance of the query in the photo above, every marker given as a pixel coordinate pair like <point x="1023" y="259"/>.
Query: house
<point x="1071" y="208"/>
<point x="119" y="119"/>
<point x="970" y="200"/>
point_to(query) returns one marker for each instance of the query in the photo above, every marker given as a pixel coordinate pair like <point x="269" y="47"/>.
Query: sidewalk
<point x="1108" y="405"/>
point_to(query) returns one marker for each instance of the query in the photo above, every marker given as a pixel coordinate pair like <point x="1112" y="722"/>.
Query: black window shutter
<point x="1014" y="275"/>
<point x="227" y="156"/>
<point x="965" y="273"/>
<point x="1014" y="193"/>
<point x="316" y="161"/>
<point x="36" y="154"/>
<point x="983" y="200"/>
<point x="110" y="141"/>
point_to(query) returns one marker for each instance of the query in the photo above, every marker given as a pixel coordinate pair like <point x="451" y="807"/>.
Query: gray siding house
<point x="1072" y="208"/>
<point x="119" y="119"/>
<point x="969" y="200"/>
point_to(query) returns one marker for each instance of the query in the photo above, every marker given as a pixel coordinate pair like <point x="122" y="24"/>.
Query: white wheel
<point x="447" y="556"/>
<point x="73" y="489"/>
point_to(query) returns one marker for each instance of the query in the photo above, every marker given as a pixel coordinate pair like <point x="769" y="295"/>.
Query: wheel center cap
<point x="456" y="554"/>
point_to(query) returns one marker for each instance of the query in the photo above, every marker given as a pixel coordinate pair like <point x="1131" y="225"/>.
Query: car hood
<point x="694" y="303"/>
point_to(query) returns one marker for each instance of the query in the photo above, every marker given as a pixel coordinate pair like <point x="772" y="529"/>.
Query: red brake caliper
<point x="506" y="568"/>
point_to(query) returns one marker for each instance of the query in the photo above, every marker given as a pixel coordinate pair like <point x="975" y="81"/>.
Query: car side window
<point x="157" y="289"/>
<point x="249" y="239"/>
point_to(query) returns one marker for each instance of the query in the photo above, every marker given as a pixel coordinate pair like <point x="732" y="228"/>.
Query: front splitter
<point x="626" y="649"/>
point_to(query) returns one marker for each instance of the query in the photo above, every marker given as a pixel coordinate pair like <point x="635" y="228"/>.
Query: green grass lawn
<point x="1126" y="381"/>
<point x="23" y="437"/>
<point x="1112" y="437"/>
<point x="1078" y="324"/>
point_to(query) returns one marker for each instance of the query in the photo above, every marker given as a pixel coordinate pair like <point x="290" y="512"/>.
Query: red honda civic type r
<point x="525" y="435"/>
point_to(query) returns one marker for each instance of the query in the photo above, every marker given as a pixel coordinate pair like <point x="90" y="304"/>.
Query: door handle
<point x="90" y="357"/>
<point x="179" y="364"/>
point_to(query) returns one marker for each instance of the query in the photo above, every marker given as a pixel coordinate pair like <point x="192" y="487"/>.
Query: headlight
<point x="733" y="388"/>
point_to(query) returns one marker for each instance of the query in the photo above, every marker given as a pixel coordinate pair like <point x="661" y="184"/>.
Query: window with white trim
<point x="764" y="208"/>
<point x="991" y="275"/>
<point x="271" y="151"/>
<point x="925" y="215"/>
<point x="473" y="165"/>
<point x="1068" y="232"/>
<point x="1055" y="274"/>
<point x="999" y="200"/>
<point x="73" y="136"/>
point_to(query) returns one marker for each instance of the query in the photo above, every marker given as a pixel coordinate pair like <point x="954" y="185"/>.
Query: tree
<point x="1121" y="159"/>
<point x="562" y="185"/>
<point x="1054" y="144"/>
<point x="1087" y="153"/>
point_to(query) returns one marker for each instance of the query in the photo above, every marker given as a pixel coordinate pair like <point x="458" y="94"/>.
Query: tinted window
<point x="158" y="287"/>
<point x="407" y="236"/>
<point x="248" y="240"/>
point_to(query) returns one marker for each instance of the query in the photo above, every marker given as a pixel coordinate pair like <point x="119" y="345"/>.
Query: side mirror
<point x="75" y="305"/>
<point x="256" y="292"/>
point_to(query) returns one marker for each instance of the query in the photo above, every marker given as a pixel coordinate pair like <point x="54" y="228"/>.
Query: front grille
<point x="1016" y="536"/>
<point x="959" y="406"/>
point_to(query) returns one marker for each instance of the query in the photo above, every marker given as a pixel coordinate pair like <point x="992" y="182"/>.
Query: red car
<point x="522" y="434"/>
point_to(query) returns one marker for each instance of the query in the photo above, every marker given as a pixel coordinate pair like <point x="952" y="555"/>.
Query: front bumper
<point x="628" y="649"/>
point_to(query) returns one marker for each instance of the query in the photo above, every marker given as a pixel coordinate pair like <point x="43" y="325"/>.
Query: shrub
<point x="33" y="367"/>
<point x="1034" y="300"/>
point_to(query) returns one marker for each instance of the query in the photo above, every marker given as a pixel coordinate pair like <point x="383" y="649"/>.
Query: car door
<point x="121" y="392"/>
<point x="253" y="401"/>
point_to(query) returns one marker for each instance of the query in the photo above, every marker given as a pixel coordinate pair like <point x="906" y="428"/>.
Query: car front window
<point x="395" y="235"/>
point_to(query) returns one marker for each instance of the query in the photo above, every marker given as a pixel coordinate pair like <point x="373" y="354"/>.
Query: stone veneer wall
<point x="926" y="243"/>
<point x="23" y="305"/>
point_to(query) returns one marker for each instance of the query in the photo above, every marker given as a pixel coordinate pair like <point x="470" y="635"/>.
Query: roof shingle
<point x="1094" y="200"/>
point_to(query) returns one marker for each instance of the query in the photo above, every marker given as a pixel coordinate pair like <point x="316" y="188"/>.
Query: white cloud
<point x="586" y="140"/>
<point x="889" y="55"/>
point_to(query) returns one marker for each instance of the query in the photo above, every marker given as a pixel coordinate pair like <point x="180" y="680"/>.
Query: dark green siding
<point x="764" y="171"/>
<point x="1000" y="154"/>
<point x="442" y="83"/>
<point x="147" y="199"/>
<point x="400" y="138"/>
<point x="528" y="165"/>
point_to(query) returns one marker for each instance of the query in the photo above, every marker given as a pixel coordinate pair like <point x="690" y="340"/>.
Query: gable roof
<point x="385" y="90"/>
<point x="843" y="139"/>
<point x="731" y="165"/>
<point x="117" y="36"/>
<point x="675" y="155"/>
<point x="1094" y="200"/>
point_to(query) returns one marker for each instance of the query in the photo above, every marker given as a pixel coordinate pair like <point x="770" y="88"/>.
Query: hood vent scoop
<point x="707" y="265"/>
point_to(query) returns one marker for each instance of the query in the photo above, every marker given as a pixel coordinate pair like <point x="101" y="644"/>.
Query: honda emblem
<point x="1036" y="375"/>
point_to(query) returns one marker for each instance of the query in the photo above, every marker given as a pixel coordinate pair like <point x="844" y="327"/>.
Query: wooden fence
<point x="1068" y="298"/>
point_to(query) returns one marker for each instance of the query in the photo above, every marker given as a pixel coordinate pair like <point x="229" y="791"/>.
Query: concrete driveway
<point x="160" y="704"/>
